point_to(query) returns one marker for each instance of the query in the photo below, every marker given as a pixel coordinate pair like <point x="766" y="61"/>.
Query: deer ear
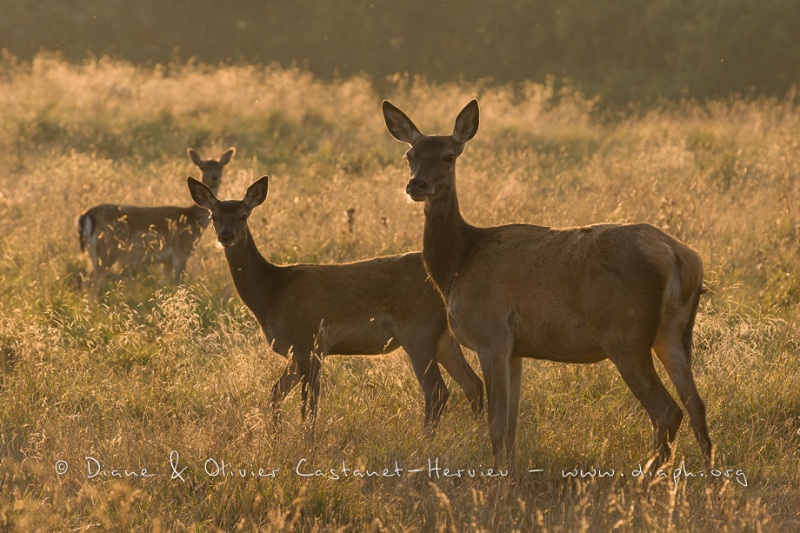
<point x="466" y="123"/>
<point x="195" y="157"/>
<point x="201" y="194"/>
<point x="400" y="126"/>
<point x="226" y="157"/>
<point x="257" y="193"/>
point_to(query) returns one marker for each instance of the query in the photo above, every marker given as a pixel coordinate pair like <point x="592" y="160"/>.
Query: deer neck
<point x="254" y="277"/>
<point x="447" y="239"/>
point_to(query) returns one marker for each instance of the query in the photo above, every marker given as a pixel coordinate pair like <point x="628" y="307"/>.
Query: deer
<point x="309" y="311"/>
<point x="573" y="295"/>
<point x="111" y="233"/>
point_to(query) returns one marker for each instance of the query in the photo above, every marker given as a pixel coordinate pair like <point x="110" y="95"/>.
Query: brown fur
<point x="574" y="295"/>
<point x="363" y="308"/>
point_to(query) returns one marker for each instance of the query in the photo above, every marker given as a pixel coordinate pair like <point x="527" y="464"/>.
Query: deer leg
<point x="310" y="372"/>
<point x="677" y="361"/>
<point x="496" y="366"/>
<point x="304" y="369"/>
<point x="430" y="379"/>
<point x="168" y="270"/>
<point x="515" y="385"/>
<point x="311" y="380"/>
<point x="636" y="367"/>
<point x="178" y="268"/>
<point x="98" y="270"/>
<point x="452" y="359"/>
<point x="98" y="263"/>
<point x="310" y="377"/>
<point x="288" y="380"/>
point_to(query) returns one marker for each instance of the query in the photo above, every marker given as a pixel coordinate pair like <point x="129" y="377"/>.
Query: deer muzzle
<point x="418" y="189"/>
<point x="226" y="238"/>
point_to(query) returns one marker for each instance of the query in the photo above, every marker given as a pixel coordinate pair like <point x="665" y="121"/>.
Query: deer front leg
<point x="451" y="357"/>
<point x="421" y="350"/>
<point x="310" y="375"/>
<point x="496" y="365"/>
<point x="515" y="382"/>
<point x="288" y="380"/>
<point x="310" y="367"/>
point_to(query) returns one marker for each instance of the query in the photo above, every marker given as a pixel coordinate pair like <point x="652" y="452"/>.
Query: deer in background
<point x="573" y="295"/>
<point x="362" y="308"/>
<point x="112" y="233"/>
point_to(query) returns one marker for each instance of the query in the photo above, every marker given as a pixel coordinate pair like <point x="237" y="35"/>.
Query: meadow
<point x="139" y="404"/>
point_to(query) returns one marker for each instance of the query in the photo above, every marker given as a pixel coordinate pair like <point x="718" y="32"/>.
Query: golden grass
<point x="135" y="370"/>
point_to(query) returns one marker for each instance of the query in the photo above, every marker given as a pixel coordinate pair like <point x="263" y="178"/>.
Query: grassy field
<point x="100" y="385"/>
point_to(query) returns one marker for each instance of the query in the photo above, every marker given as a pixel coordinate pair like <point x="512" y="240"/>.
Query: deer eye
<point x="450" y="158"/>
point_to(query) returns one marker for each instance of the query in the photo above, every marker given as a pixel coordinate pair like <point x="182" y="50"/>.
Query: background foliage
<point x="623" y="50"/>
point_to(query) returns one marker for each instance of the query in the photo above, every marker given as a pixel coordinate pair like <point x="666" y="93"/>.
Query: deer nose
<point x="225" y="237"/>
<point x="415" y="184"/>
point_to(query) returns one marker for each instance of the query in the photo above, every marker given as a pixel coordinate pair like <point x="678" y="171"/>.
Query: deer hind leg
<point x="635" y="365"/>
<point x="451" y="357"/>
<point x="93" y="245"/>
<point x="429" y="377"/>
<point x="103" y="253"/>
<point x="101" y="264"/>
<point x="177" y="262"/>
<point x="98" y="270"/>
<point x="675" y="352"/>
<point x="88" y="244"/>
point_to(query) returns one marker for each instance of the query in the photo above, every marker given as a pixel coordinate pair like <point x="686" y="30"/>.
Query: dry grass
<point x="135" y="370"/>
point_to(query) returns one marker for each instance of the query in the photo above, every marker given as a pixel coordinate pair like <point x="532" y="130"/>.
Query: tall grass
<point x="134" y="373"/>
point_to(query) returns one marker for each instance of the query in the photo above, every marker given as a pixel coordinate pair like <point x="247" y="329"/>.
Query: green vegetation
<point x="641" y="50"/>
<point x="132" y="370"/>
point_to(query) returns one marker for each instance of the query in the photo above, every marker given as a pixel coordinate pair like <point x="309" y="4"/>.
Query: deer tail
<point x="85" y="229"/>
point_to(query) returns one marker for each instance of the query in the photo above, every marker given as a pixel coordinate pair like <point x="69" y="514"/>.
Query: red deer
<point x="363" y="308"/>
<point x="133" y="235"/>
<point x="572" y="295"/>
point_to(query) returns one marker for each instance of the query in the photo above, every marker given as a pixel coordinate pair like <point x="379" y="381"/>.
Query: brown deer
<point x="573" y="295"/>
<point x="363" y="308"/>
<point x="132" y="235"/>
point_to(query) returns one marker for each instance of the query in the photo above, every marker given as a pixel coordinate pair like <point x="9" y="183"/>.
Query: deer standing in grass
<point x="363" y="308"/>
<point x="573" y="295"/>
<point x="132" y="235"/>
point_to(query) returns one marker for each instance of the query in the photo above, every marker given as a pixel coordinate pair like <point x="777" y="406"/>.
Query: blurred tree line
<point x="622" y="50"/>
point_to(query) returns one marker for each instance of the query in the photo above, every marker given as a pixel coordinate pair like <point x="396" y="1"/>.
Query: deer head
<point x="211" y="168"/>
<point x="432" y="158"/>
<point x="230" y="216"/>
